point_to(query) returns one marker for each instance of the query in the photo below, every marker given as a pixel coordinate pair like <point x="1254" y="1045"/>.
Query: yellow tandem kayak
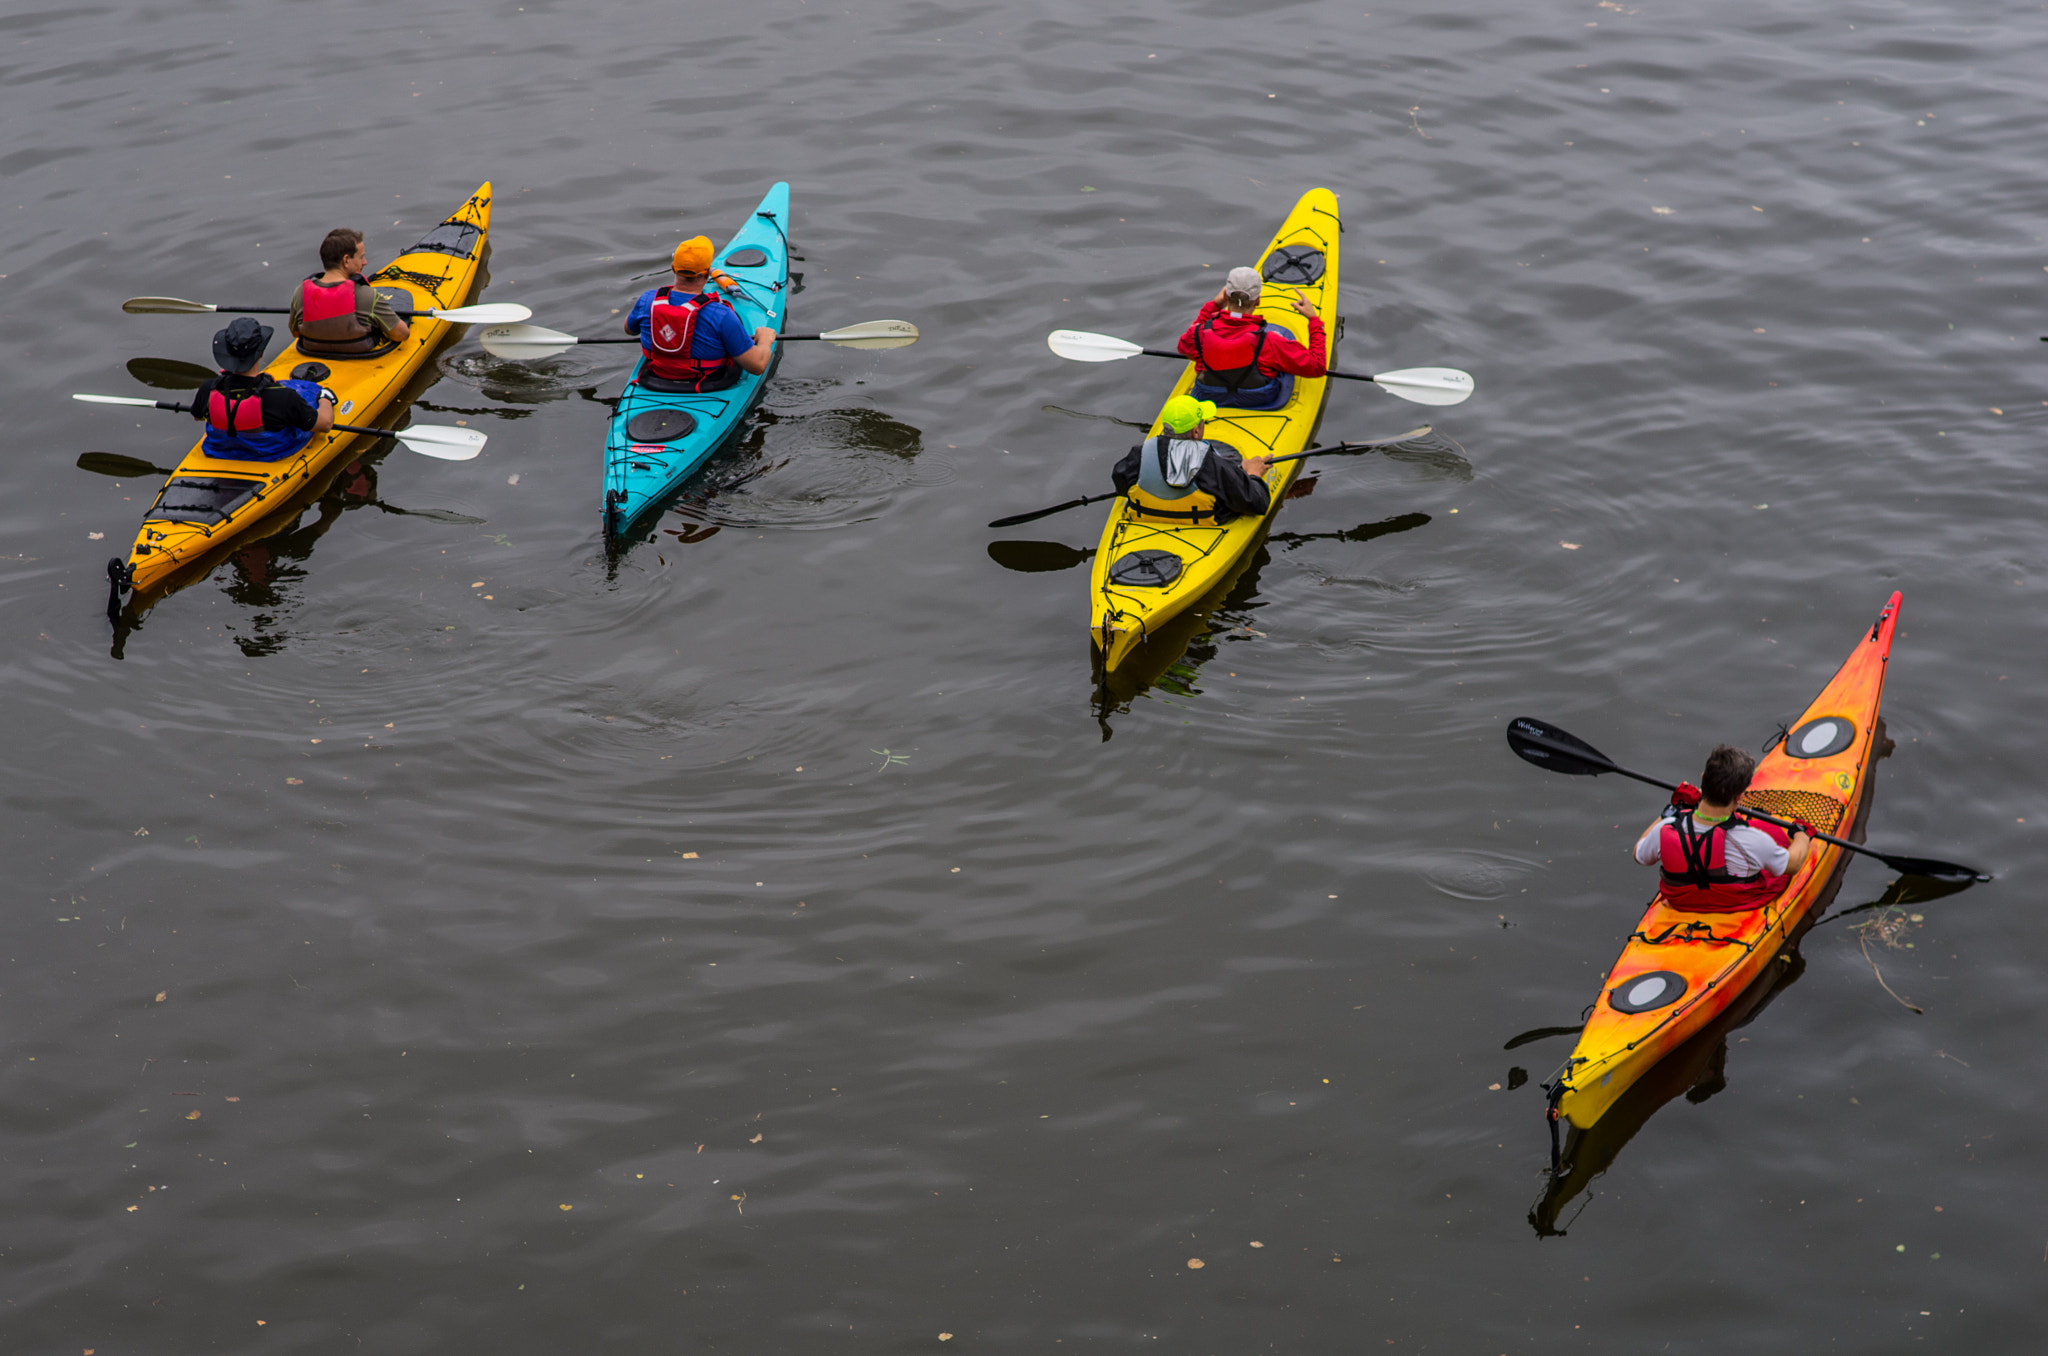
<point x="210" y="502"/>
<point x="1127" y="607"/>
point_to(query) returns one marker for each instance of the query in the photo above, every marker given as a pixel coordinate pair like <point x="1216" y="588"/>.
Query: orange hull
<point x="1817" y="774"/>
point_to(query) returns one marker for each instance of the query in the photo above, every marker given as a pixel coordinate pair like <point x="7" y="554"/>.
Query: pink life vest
<point x="328" y="323"/>
<point x="234" y="414"/>
<point x="1695" y="869"/>
<point x="670" y="329"/>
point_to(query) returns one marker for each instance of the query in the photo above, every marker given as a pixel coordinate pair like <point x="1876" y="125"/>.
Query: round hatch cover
<point x="1645" y="993"/>
<point x="1822" y="738"/>
<point x="746" y="258"/>
<point x="660" y="426"/>
<point x="1293" y="264"/>
<point x="1145" y="569"/>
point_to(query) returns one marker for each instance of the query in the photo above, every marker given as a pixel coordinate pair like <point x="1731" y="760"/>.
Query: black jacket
<point x="1222" y="474"/>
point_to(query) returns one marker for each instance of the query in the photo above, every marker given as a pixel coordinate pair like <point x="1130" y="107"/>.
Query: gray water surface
<point x="755" y="945"/>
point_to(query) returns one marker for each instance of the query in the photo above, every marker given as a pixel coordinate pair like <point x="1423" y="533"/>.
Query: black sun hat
<point x="240" y="346"/>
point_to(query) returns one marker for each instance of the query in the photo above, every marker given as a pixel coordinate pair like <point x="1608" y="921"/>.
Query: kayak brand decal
<point x="1646" y="993"/>
<point x="1821" y="738"/>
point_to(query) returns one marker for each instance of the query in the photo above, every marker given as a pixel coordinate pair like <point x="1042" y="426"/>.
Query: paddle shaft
<point x="1328" y="372"/>
<point x="1348" y="447"/>
<point x="338" y="428"/>
<point x="1581" y="755"/>
<point x="633" y="339"/>
<point x="286" y="310"/>
<point x="1056" y="508"/>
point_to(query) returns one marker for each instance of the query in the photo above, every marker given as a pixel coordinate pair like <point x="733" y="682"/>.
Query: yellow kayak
<point x="211" y="501"/>
<point x="1128" y="606"/>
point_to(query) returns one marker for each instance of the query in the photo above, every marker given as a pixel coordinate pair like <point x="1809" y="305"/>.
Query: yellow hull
<point x="437" y="278"/>
<point x="1124" y="616"/>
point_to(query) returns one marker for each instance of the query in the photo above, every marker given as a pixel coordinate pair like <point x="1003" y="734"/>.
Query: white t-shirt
<point x="1746" y="849"/>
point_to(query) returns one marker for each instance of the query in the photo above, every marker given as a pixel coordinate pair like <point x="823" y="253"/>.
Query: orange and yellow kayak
<point x="1679" y="970"/>
<point x="211" y="501"/>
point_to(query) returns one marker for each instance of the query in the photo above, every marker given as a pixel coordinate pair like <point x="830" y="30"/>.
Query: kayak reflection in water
<point x="1711" y="862"/>
<point x="257" y="564"/>
<point x="1182" y="477"/>
<point x="1241" y="359"/>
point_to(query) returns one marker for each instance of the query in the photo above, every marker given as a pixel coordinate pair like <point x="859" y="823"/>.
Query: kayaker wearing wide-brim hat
<point x="1241" y="360"/>
<point x="1714" y="859"/>
<point x="1182" y="476"/>
<point x="693" y="339"/>
<point x="336" y="313"/>
<point x="251" y="415"/>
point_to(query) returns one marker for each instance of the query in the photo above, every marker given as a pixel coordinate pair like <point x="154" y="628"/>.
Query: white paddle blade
<point x="117" y="400"/>
<point x="165" y="306"/>
<point x="493" y="313"/>
<point x="437" y="440"/>
<point x="525" y="341"/>
<point x="874" y="334"/>
<point x="1428" y="385"/>
<point x="1082" y="347"/>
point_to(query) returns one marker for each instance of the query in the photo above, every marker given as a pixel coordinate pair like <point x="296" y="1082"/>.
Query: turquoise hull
<point x="657" y="440"/>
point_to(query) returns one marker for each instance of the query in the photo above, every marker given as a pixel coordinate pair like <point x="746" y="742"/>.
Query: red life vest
<point x="328" y="322"/>
<point x="670" y="329"/>
<point x="1230" y="360"/>
<point x="241" y="413"/>
<point x="1695" y="869"/>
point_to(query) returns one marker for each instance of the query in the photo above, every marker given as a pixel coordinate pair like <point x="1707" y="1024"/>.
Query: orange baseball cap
<point x="692" y="256"/>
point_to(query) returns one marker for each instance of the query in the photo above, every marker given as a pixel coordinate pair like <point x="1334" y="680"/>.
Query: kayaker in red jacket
<point x="1714" y="860"/>
<point x="1241" y="360"/>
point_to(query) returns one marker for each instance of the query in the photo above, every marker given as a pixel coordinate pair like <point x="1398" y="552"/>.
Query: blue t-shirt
<point x="719" y="331"/>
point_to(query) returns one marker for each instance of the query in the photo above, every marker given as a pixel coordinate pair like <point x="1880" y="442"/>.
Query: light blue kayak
<point x="659" y="440"/>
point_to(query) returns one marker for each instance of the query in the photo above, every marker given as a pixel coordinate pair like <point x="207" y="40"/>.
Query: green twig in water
<point x="1889" y="925"/>
<point x="888" y="758"/>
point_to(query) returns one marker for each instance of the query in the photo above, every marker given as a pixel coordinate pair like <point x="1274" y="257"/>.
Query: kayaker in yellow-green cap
<point x="1180" y="476"/>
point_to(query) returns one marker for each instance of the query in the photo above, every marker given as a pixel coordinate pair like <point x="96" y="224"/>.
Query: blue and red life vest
<point x="666" y="338"/>
<point x="234" y="422"/>
<point x="1695" y="871"/>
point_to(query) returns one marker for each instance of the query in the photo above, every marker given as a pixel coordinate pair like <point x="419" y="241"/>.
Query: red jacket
<point x="1229" y="342"/>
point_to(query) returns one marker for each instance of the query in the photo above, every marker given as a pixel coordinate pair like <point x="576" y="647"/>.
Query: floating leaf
<point x="295" y="781"/>
<point x="162" y="996"/>
<point x="1195" y="1264"/>
<point x="568" y="1207"/>
<point x="191" y="1115"/>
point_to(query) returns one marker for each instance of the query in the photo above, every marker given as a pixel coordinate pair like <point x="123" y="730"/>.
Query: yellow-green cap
<point x="1184" y="412"/>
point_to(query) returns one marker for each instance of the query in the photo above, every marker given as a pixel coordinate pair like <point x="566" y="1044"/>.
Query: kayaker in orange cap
<point x="1714" y="859"/>
<point x="693" y="338"/>
<point x="1243" y="361"/>
<point x="336" y="313"/>
<point x="1182" y="476"/>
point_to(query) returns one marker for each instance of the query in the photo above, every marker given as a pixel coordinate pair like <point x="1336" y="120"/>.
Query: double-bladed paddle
<point x="1423" y="385"/>
<point x="429" y="440"/>
<point x="134" y="468"/>
<point x="1292" y="456"/>
<point x="535" y="341"/>
<point x="1549" y="747"/>
<point x="490" y="313"/>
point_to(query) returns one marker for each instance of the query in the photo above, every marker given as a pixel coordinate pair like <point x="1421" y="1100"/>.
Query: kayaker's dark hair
<point x="340" y="243"/>
<point x="1727" y="774"/>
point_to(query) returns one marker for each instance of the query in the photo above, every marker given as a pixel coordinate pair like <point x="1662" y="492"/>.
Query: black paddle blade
<point x="120" y="467"/>
<point x="1948" y="873"/>
<point x="169" y="374"/>
<point x="1553" y="749"/>
<point x="438" y="515"/>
